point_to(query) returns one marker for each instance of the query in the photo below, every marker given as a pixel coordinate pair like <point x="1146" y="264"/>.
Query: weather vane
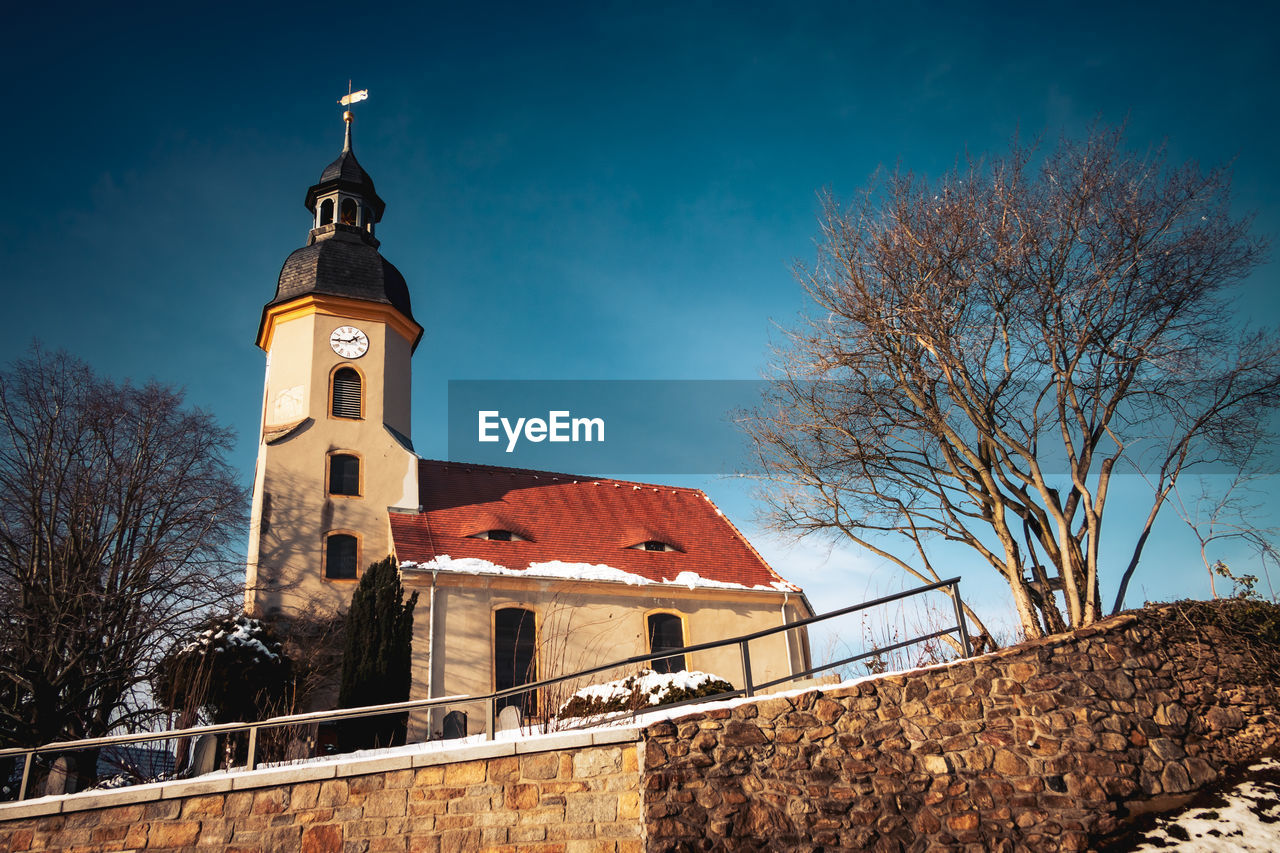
<point x="351" y="98"/>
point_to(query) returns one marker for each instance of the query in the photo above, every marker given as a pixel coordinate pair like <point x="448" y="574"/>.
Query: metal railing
<point x="493" y="700"/>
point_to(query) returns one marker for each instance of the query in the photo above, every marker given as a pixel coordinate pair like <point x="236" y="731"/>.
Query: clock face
<point x="349" y="342"/>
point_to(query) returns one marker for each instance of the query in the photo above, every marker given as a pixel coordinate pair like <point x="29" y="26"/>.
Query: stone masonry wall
<point x="574" y="800"/>
<point x="1045" y="746"/>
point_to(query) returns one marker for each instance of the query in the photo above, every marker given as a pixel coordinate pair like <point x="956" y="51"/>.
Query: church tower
<point x="335" y="453"/>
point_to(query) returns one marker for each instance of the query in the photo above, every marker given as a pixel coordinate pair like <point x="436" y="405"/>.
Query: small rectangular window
<point x="344" y="474"/>
<point x="340" y="557"/>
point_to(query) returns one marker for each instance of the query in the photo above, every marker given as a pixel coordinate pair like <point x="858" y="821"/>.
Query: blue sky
<point x="574" y="191"/>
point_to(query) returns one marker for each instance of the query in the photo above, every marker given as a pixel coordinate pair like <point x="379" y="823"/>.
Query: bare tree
<point x="119" y="526"/>
<point x="989" y="348"/>
<point x="1225" y="509"/>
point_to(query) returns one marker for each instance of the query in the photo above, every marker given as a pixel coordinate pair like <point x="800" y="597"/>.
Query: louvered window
<point x="344" y="474"/>
<point x="666" y="632"/>
<point x="346" y="393"/>
<point x="340" y="556"/>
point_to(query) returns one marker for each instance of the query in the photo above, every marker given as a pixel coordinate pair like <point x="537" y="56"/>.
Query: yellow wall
<point x="292" y="511"/>
<point x="582" y="624"/>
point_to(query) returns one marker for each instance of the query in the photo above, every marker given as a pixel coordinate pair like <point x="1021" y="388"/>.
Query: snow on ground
<point x="1244" y="818"/>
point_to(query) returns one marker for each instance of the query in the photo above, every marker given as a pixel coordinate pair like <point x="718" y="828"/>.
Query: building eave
<point x="335" y="306"/>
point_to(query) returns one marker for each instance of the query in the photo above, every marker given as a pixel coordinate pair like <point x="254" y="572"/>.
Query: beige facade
<point x="293" y="510"/>
<point x="584" y="624"/>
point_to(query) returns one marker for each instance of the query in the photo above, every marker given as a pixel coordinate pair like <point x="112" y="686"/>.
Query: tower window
<point x="344" y="474"/>
<point x="346" y="401"/>
<point x="341" y="556"/>
<point x="515" y="655"/>
<point x="348" y="212"/>
<point x="326" y="212"/>
<point x="666" y="632"/>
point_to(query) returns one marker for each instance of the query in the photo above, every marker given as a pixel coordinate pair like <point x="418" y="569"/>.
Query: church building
<point x="521" y="574"/>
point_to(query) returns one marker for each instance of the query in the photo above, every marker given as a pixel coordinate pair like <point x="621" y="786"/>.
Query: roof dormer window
<point x="498" y="535"/>
<point x="653" y="545"/>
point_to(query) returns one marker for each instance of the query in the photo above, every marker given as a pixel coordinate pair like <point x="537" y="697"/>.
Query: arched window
<point x="344" y="474"/>
<point x="346" y="401"/>
<point x="342" y="554"/>
<point x="348" y="211"/>
<point x="515" y="659"/>
<point x="666" y="632"/>
<point x="326" y="212"/>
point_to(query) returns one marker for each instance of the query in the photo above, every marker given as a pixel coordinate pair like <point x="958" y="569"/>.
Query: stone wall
<point x="1045" y="746"/>
<point x="580" y="797"/>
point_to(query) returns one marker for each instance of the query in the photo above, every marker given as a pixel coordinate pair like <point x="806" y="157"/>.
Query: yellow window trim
<point x="324" y="556"/>
<point x="328" y="464"/>
<point x="364" y="386"/>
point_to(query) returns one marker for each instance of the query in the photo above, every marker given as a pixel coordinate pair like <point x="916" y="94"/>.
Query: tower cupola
<point x="344" y="200"/>
<point x="341" y="258"/>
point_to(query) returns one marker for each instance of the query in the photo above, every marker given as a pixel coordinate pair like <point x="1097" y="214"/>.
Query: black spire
<point x="341" y="180"/>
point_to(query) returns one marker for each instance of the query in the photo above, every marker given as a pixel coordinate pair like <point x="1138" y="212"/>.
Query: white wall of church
<point x="585" y="624"/>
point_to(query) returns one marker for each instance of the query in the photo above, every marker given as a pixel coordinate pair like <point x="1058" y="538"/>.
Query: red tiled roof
<point x="574" y="519"/>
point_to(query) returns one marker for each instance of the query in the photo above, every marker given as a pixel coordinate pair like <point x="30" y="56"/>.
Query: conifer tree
<point x="377" y="657"/>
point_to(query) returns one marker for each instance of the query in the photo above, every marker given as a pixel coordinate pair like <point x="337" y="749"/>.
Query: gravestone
<point x="509" y="719"/>
<point x="56" y="782"/>
<point x="455" y="725"/>
<point x="204" y="755"/>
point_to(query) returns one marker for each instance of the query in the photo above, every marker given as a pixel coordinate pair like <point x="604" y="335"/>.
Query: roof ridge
<point x="579" y="478"/>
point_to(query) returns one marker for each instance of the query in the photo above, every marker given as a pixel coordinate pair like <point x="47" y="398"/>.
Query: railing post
<point x="960" y="623"/>
<point x="253" y="747"/>
<point x="490" y="717"/>
<point x="26" y="775"/>
<point x="747" y="686"/>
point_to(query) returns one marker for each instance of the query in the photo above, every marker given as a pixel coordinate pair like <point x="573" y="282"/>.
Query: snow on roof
<point x="578" y="571"/>
<point x="574" y="527"/>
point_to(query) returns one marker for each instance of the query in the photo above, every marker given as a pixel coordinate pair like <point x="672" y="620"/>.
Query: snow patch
<point x="1245" y="821"/>
<point x="214" y="640"/>
<point x="652" y="685"/>
<point x="579" y="572"/>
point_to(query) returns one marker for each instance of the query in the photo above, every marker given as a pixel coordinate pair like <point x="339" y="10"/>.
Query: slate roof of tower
<point x="338" y="267"/>
<point x="576" y="520"/>
<point x="347" y="170"/>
